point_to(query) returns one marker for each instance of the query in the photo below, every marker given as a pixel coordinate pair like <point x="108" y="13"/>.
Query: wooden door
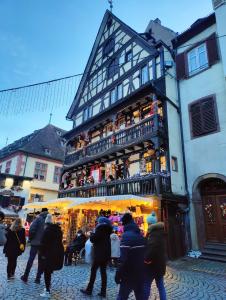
<point x="214" y="207"/>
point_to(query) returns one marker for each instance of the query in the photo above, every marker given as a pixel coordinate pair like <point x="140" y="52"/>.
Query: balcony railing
<point x="121" y="138"/>
<point x="140" y="185"/>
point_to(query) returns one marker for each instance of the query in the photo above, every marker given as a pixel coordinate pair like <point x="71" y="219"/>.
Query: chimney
<point x="158" y="21"/>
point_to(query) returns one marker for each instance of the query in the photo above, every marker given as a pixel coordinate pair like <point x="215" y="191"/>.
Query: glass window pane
<point x="144" y="74"/>
<point x="119" y="91"/>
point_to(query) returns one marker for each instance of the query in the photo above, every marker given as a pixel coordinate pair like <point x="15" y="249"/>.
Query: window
<point x="109" y="46"/>
<point x="203" y="117"/>
<point x="128" y="56"/>
<point x="40" y="171"/>
<point x="8" y="166"/>
<point x="56" y="175"/>
<point x="36" y="198"/>
<point x="144" y="75"/>
<point x="78" y="119"/>
<point x="96" y="107"/>
<point x="113" y="96"/>
<point x="113" y="68"/>
<point x="47" y="151"/>
<point x="197" y="59"/>
<point x="86" y="114"/>
<point x="119" y="92"/>
<point x="174" y="164"/>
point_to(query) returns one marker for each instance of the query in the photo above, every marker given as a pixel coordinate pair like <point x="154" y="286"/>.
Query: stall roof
<point x="58" y="203"/>
<point x="67" y="203"/>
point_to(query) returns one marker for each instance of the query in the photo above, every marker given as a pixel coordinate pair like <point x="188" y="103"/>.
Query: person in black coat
<point x="155" y="257"/>
<point x="101" y="255"/>
<point x="51" y="252"/>
<point x="15" y="246"/>
<point x="130" y="271"/>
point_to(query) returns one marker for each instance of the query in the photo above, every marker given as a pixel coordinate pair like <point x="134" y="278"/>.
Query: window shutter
<point x="196" y="119"/>
<point x="212" y="49"/>
<point x="209" y="115"/>
<point x="203" y="116"/>
<point x="180" y="66"/>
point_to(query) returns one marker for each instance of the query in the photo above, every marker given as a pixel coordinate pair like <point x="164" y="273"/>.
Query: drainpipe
<point x="184" y="161"/>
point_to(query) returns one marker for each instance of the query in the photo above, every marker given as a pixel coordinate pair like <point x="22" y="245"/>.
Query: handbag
<point x="21" y="246"/>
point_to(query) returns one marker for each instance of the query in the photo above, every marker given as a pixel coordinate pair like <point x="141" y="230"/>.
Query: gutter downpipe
<point x="187" y="228"/>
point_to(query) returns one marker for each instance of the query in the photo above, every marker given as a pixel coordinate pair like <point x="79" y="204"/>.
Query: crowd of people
<point x="138" y="260"/>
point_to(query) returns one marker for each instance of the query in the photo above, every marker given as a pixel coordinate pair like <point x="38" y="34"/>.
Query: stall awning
<point x="56" y="203"/>
<point x="113" y="202"/>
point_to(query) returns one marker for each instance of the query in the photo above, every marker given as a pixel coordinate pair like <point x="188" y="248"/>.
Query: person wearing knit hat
<point x="152" y="218"/>
<point x="155" y="262"/>
<point x="49" y="219"/>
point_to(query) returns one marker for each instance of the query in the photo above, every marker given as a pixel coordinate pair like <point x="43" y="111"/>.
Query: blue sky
<point x="46" y="39"/>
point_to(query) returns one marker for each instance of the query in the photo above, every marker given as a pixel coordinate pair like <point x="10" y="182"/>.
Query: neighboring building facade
<point x="126" y="133"/>
<point x="202" y="88"/>
<point x="38" y="156"/>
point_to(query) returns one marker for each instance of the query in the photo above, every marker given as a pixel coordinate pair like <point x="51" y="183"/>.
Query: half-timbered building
<point x="126" y="131"/>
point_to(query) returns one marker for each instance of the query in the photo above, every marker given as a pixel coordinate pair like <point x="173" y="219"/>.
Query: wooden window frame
<point x="199" y="70"/>
<point x="8" y="166"/>
<point x="57" y="173"/>
<point x="174" y="163"/>
<point x="213" y="96"/>
<point x="45" y="174"/>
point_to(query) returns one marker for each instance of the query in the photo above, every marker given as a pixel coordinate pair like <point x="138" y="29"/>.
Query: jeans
<point x="33" y="252"/>
<point x="126" y="288"/>
<point x="103" y="273"/>
<point x="159" y="283"/>
<point x="11" y="266"/>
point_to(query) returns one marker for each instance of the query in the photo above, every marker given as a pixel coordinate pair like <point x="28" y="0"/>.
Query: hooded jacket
<point x="51" y="248"/>
<point x="155" y="256"/>
<point x="101" y="243"/>
<point x="131" y="262"/>
<point x="37" y="229"/>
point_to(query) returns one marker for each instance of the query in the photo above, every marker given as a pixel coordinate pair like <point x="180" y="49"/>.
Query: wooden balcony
<point x="139" y="185"/>
<point x="116" y="141"/>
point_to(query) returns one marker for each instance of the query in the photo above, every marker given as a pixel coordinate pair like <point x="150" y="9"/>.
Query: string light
<point x="48" y="95"/>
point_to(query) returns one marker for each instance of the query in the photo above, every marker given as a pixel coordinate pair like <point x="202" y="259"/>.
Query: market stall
<point x="76" y="213"/>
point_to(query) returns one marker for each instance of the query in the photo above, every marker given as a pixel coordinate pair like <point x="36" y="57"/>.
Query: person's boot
<point x="24" y="278"/>
<point x="102" y="294"/>
<point x="86" y="292"/>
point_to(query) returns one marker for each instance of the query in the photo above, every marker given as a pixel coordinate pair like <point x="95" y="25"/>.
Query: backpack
<point x="2" y="235"/>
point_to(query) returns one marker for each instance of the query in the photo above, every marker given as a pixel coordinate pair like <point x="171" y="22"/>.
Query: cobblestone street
<point x="185" y="279"/>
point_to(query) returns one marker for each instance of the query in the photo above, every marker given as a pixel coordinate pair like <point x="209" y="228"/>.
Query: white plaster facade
<point x="204" y="154"/>
<point x="24" y="165"/>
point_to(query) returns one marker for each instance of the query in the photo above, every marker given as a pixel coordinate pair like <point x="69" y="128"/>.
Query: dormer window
<point x="47" y="151"/>
<point x="109" y="47"/>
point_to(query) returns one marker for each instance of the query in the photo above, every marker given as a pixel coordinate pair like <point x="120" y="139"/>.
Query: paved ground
<point x="185" y="280"/>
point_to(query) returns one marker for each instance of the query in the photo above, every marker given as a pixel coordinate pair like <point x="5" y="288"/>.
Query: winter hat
<point x="49" y="219"/>
<point x="104" y="220"/>
<point x="152" y="218"/>
<point x="127" y="218"/>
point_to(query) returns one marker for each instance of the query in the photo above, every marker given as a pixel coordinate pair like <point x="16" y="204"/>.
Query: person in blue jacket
<point x="130" y="272"/>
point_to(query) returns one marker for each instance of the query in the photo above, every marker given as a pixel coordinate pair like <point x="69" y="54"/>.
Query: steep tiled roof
<point x="46" y="142"/>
